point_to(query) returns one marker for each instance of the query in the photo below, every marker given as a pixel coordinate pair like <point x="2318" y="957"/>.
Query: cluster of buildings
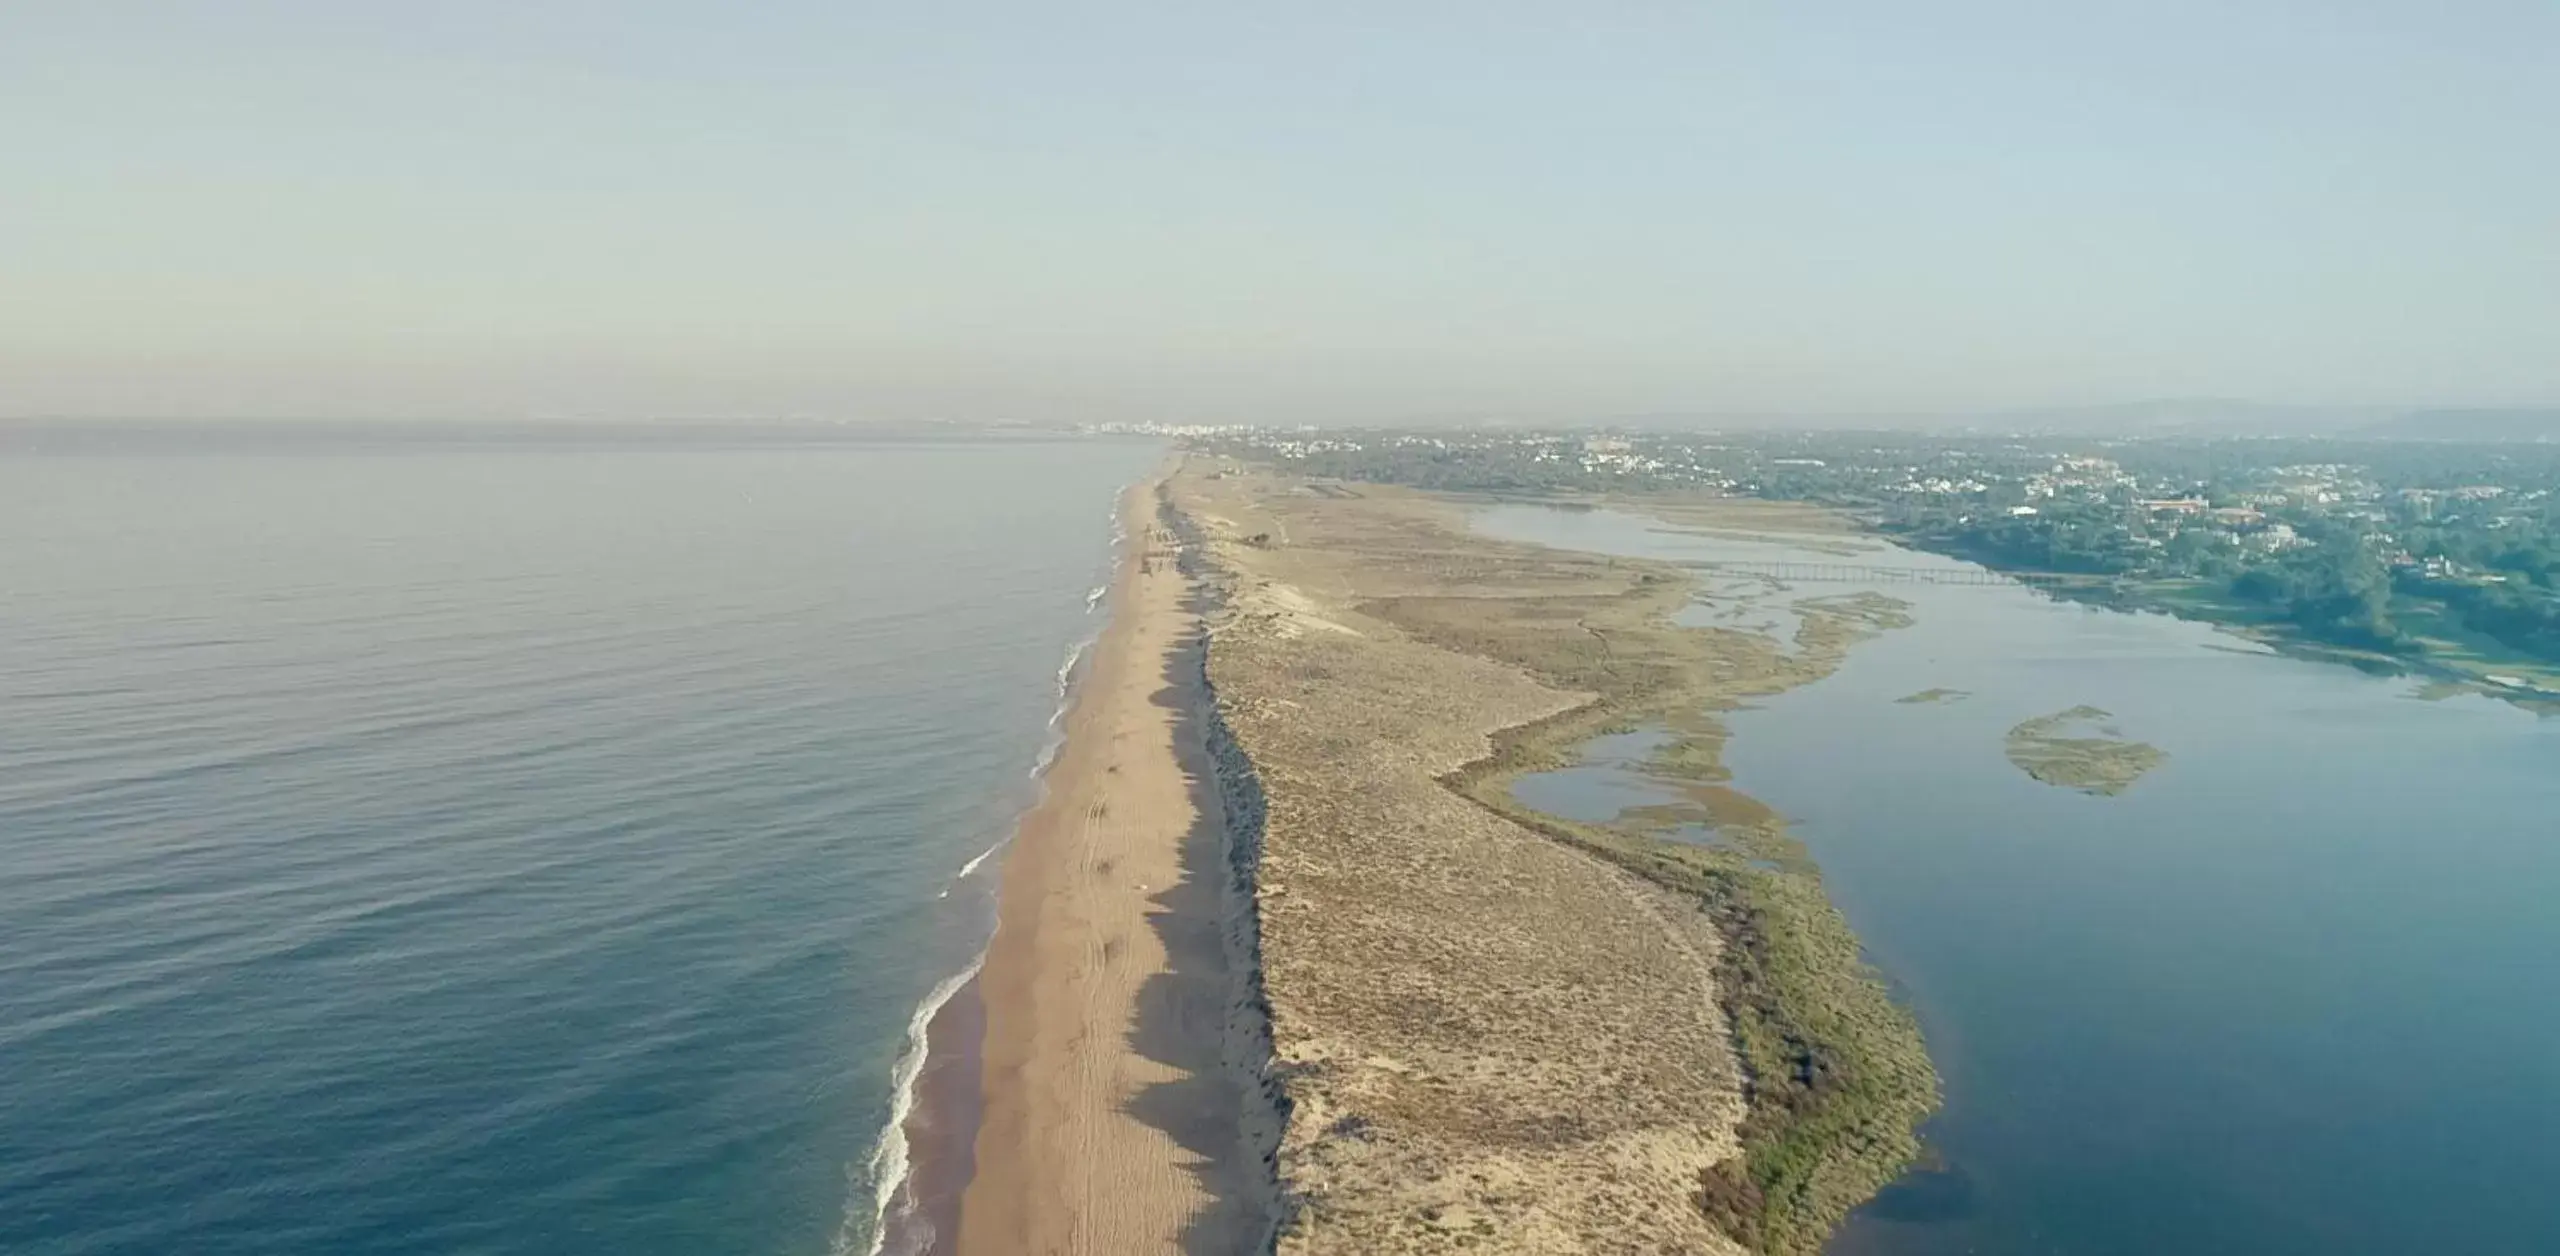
<point x="2263" y="509"/>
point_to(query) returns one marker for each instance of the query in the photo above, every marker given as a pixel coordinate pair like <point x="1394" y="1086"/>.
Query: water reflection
<point x="2289" y="994"/>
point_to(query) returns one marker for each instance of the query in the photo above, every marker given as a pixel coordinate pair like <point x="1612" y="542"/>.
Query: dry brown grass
<point x="1498" y="1032"/>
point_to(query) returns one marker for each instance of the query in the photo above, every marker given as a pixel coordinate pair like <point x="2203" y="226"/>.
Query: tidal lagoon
<point x="2290" y="991"/>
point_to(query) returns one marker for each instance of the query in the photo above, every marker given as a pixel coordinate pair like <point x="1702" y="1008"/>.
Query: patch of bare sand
<point x="1291" y="612"/>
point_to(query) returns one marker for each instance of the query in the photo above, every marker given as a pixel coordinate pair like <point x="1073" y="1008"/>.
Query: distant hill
<point x="2198" y="416"/>
<point x="2190" y="417"/>
<point x="2170" y="417"/>
<point x="2527" y="424"/>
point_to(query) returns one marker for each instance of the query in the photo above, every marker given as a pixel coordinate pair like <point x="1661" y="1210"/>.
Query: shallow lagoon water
<point x="1606" y="782"/>
<point x="2298" y="990"/>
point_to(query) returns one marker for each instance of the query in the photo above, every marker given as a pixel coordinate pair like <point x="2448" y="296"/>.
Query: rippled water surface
<point x="538" y="848"/>
<point x="2297" y="991"/>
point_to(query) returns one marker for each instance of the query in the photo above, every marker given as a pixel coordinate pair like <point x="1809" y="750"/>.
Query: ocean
<point x="2289" y="993"/>
<point x="534" y="844"/>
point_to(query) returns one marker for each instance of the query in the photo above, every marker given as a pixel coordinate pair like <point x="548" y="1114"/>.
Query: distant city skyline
<point x="288" y="208"/>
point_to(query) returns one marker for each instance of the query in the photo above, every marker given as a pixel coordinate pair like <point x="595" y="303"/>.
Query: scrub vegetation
<point x="1376" y="657"/>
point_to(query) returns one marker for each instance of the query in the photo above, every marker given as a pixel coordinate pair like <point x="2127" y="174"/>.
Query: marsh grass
<point x="2058" y="750"/>
<point x="1838" y="1075"/>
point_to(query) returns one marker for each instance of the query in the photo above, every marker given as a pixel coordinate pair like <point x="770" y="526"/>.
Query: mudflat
<point x="1110" y="1121"/>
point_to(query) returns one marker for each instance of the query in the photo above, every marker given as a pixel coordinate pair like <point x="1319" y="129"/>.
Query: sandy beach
<point x="1108" y="1119"/>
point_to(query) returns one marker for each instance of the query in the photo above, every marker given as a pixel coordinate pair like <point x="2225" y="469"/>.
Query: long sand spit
<point x="1121" y="1065"/>
<point x="1485" y="1040"/>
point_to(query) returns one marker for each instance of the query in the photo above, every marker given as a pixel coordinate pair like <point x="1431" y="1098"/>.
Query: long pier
<point x="1868" y="573"/>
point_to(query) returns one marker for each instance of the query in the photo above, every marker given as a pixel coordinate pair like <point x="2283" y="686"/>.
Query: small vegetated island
<point x="2078" y="749"/>
<point x="1933" y="697"/>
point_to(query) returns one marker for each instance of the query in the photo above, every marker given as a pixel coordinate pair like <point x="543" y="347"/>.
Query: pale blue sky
<point x="1319" y="210"/>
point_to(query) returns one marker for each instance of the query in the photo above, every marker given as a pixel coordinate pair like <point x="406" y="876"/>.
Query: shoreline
<point x="1083" y="1089"/>
<point x="2144" y="595"/>
<point x="919" y="1207"/>
<point x="925" y="1157"/>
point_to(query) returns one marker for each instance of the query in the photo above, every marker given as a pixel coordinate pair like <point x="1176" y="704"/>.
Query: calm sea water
<point x="2298" y="991"/>
<point x="526" y="848"/>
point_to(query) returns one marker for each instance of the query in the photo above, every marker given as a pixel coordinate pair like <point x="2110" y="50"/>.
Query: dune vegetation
<point x="1498" y="1029"/>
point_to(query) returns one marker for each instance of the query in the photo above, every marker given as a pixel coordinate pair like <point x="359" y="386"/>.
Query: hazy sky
<point x="1335" y="211"/>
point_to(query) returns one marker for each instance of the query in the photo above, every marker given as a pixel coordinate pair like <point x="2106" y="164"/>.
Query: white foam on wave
<point x="1067" y="677"/>
<point x="888" y="1167"/>
<point x="983" y="856"/>
<point x="976" y="862"/>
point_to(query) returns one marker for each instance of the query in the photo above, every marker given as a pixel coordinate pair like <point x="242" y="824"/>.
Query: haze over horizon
<point x="290" y="208"/>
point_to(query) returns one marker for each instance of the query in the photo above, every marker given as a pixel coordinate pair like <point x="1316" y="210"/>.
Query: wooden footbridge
<point x="1868" y="573"/>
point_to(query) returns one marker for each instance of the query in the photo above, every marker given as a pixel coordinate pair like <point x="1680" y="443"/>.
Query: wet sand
<point x="941" y="1130"/>
<point x="1107" y="1123"/>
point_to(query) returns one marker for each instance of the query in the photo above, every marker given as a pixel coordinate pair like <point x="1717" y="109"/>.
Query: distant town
<point x="2388" y="552"/>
